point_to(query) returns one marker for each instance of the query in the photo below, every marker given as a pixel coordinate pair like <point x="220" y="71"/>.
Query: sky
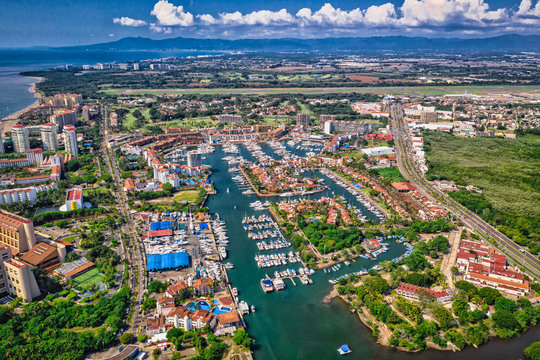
<point x="26" y="23"/>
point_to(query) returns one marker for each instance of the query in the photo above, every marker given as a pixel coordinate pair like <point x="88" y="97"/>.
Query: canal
<point x="294" y="323"/>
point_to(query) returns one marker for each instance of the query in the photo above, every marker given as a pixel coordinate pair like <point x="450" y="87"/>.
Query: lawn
<point x="70" y="238"/>
<point x="507" y="170"/>
<point x="391" y="173"/>
<point x="187" y="195"/>
<point x="88" y="279"/>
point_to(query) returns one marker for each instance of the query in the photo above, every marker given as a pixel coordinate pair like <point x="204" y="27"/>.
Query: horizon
<point x="90" y="22"/>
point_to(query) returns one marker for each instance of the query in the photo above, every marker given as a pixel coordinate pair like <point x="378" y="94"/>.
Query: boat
<point x="344" y="349"/>
<point x="235" y="291"/>
<point x="252" y="308"/>
<point x="267" y="285"/>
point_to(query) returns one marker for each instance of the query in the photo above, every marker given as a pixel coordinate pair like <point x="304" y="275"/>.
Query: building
<point x="16" y="232"/>
<point x="66" y="100"/>
<point x="20" y="195"/>
<point x="193" y="159"/>
<point x="229" y="119"/>
<point x="302" y="120"/>
<point x="21" y="141"/>
<point x="70" y="140"/>
<point x="74" y="199"/>
<point x="428" y="117"/>
<point x="411" y="292"/>
<point x="20" y="279"/>
<point x="346" y="126"/>
<point x="64" y="117"/>
<point x="2" y="149"/>
<point x="113" y="119"/>
<point x="42" y="255"/>
<point x="324" y="118"/>
<point x="49" y="137"/>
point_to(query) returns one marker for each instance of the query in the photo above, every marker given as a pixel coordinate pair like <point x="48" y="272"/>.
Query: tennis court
<point x="88" y="279"/>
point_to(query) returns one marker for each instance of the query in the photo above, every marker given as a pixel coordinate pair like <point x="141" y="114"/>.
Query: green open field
<point x="391" y="173"/>
<point x="88" y="279"/>
<point x="506" y="170"/>
<point x="196" y="122"/>
<point x="397" y="90"/>
<point x="187" y="195"/>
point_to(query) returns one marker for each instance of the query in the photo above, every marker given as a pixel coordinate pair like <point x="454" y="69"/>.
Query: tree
<point x="489" y="295"/>
<point x="157" y="286"/>
<point x="533" y="351"/>
<point x="141" y="338"/>
<point x="127" y="338"/>
<point x="477" y="335"/>
<point x="454" y="270"/>
<point x="377" y="284"/>
<point x="504" y="319"/>
<point x="174" y="333"/>
<point x="241" y="337"/>
<point x="503" y="303"/>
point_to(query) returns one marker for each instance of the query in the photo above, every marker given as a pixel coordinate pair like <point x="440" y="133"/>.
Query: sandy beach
<point x="11" y="120"/>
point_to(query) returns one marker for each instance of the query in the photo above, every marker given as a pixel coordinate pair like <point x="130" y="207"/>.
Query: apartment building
<point x="16" y="232"/>
<point x="49" y="137"/>
<point x="16" y="277"/>
<point x="70" y="140"/>
<point x="21" y="141"/>
<point x="229" y="119"/>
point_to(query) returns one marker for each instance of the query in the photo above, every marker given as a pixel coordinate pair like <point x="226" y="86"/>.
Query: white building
<point x="21" y="142"/>
<point x="379" y="150"/>
<point x="74" y="199"/>
<point x="49" y="137"/>
<point x="70" y="140"/>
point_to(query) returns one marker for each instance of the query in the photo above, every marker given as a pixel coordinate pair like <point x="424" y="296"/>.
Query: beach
<point x="9" y="121"/>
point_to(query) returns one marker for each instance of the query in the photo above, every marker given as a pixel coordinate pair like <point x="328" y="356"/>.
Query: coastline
<point x="11" y="120"/>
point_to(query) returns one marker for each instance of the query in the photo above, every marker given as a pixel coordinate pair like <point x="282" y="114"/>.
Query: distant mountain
<point x="503" y="43"/>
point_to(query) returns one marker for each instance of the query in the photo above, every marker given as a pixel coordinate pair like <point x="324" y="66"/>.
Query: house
<point x="410" y="292"/>
<point x="175" y="289"/>
<point x="229" y="319"/>
<point x="203" y="286"/>
<point x="165" y="305"/>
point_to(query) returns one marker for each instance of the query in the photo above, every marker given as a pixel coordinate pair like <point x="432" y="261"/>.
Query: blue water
<point x="14" y="88"/>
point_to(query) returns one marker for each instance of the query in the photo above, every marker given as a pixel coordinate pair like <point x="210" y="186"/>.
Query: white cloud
<point x="127" y="21"/>
<point x="413" y="15"/>
<point x="440" y="12"/>
<point x="160" y="29"/>
<point x="168" y="14"/>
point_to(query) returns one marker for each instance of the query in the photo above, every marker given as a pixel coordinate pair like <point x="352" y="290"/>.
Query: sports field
<point x="88" y="279"/>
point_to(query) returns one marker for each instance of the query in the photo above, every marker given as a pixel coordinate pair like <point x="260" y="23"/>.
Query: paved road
<point x="137" y="259"/>
<point x="529" y="262"/>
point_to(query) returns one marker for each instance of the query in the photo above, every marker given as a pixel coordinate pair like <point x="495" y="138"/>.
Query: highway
<point x="529" y="263"/>
<point x="133" y="245"/>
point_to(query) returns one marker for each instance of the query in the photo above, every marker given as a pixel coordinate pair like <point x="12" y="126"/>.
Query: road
<point x="133" y="245"/>
<point x="529" y="263"/>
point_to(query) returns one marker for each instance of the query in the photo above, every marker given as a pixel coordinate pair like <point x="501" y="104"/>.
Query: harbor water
<point x="295" y="323"/>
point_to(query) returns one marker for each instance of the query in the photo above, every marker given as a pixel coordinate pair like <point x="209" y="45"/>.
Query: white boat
<point x="344" y="349"/>
<point x="252" y="308"/>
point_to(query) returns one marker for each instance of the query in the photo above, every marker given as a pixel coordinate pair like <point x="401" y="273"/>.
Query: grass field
<point x="391" y="173"/>
<point x="196" y="122"/>
<point x="397" y="90"/>
<point x="89" y="278"/>
<point x="187" y="195"/>
<point x="507" y="170"/>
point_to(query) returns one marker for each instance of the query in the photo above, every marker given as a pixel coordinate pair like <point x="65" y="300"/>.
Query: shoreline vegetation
<point x="8" y="122"/>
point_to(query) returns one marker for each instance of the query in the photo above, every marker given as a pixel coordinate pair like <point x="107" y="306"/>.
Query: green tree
<point x="241" y="337"/>
<point x="127" y="338"/>
<point x="533" y="351"/>
<point x="141" y="338"/>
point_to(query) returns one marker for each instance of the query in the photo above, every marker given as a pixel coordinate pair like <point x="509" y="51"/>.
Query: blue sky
<point x="52" y="23"/>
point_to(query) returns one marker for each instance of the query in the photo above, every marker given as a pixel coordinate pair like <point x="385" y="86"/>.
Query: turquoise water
<point x="294" y="323"/>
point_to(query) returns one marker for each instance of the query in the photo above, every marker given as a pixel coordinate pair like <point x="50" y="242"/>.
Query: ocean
<point x="14" y="88"/>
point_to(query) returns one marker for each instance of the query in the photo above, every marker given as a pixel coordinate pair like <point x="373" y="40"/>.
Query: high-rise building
<point x="21" y="142"/>
<point x="17" y="277"/>
<point x="70" y="140"/>
<point x="193" y="159"/>
<point x="428" y="117"/>
<point x="16" y="232"/>
<point x="2" y="149"/>
<point x="302" y="120"/>
<point x="66" y="100"/>
<point x="49" y="137"/>
<point x="64" y="117"/>
<point x="229" y="119"/>
<point x="324" y="118"/>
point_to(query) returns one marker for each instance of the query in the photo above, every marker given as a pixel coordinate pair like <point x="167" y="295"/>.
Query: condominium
<point x="193" y="159"/>
<point x="21" y="142"/>
<point x="16" y="277"/>
<point x="16" y="232"/>
<point x="229" y="119"/>
<point x="66" y="100"/>
<point x="64" y="117"/>
<point x="70" y="140"/>
<point x="302" y="120"/>
<point x="324" y="118"/>
<point x="2" y="149"/>
<point x="49" y="137"/>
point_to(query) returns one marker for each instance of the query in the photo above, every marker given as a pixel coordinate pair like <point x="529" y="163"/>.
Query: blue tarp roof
<point x="203" y="226"/>
<point x="164" y="225"/>
<point x="167" y="261"/>
<point x="345" y="348"/>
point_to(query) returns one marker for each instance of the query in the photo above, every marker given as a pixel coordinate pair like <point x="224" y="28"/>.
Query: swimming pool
<point x="221" y="310"/>
<point x="200" y="305"/>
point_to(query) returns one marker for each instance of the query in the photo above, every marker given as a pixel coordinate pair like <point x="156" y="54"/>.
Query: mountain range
<point x="498" y="44"/>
